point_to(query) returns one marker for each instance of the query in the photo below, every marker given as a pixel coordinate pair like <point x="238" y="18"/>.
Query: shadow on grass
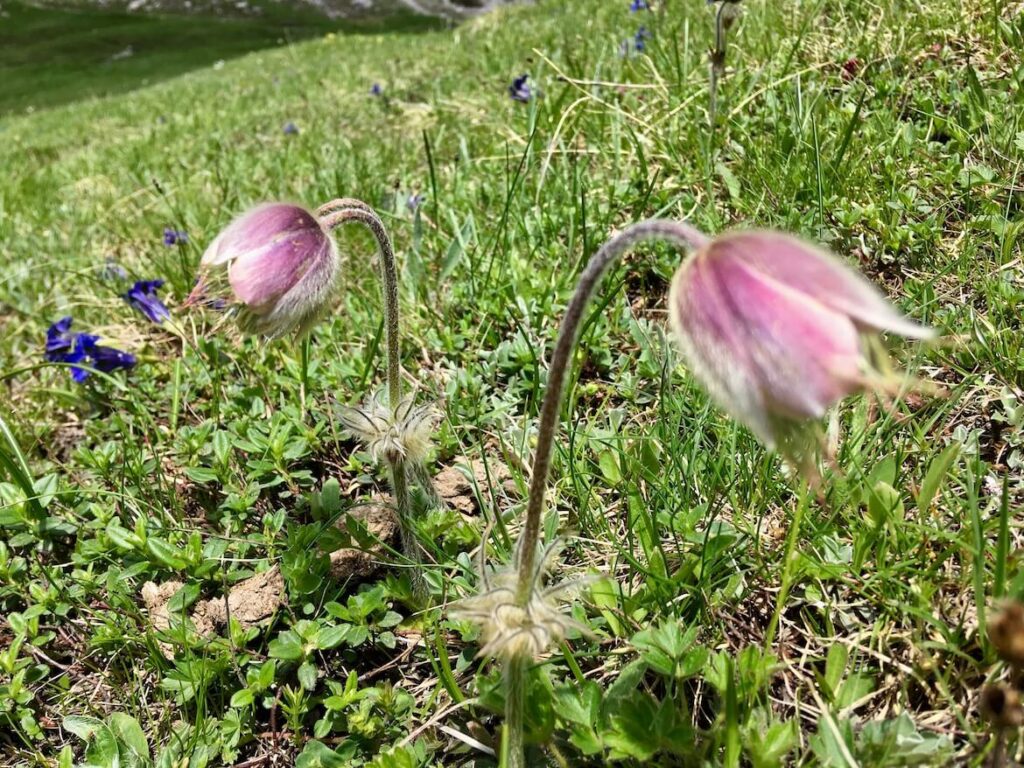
<point x="54" y="56"/>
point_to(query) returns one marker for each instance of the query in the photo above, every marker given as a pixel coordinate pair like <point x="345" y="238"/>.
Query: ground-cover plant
<point x="894" y="142"/>
<point x="777" y="330"/>
<point x="281" y="265"/>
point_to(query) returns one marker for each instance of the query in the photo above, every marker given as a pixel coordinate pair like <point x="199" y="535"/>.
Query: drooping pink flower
<point x="778" y="330"/>
<point x="281" y="265"/>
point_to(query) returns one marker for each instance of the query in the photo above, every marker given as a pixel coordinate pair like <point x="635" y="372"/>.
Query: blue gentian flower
<point x="143" y="297"/>
<point x="638" y="5"/>
<point x="639" y="39"/>
<point x="105" y="359"/>
<point x="519" y="90"/>
<point x="291" y="128"/>
<point x="376" y="90"/>
<point x="59" y="340"/>
<point x="414" y="202"/>
<point x="174" y="237"/>
<point x="62" y="346"/>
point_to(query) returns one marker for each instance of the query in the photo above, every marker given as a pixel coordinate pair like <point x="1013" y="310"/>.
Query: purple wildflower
<point x="59" y="339"/>
<point x="104" y="359"/>
<point x="143" y="297"/>
<point x="414" y="201"/>
<point x="290" y="128"/>
<point x="111" y="270"/>
<point x="642" y="35"/>
<point x="281" y="267"/>
<point x="376" y="90"/>
<point x="174" y="237"/>
<point x="62" y="346"/>
<point x="519" y="90"/>
<point x="638" y="5"/>
<point x="778" y="330"/>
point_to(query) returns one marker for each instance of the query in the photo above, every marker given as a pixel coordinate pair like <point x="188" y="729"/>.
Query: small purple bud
<point x="376" y="90"/>
<point x="520" y="90"/>
<point x="281" y="266"/>
<point x="777" y="330"/>
<point x="290" y="128"/>
<point x="174" y="237"/>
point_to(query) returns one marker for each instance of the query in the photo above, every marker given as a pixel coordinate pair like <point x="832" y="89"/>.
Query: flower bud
<point x="281" y="266"/>
<point x="1006" y="631"/>
<point x="778" y="330"/>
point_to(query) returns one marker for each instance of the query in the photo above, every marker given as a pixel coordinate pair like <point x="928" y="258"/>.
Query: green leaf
<point x="307" y="675"/>
<point x="885" y="505"/>
<point x="128" y="732"/>
<point x="357" y="636"/>
<point x="287" y="646"/>
<point x="933" y="478"/>
<point x="242" y="698"/>
<point x="83" y="727"/>
<point x="165" y="553"/>
<point x="201" y="475"/>
<point x="122" y="537"/>
<point x="329" y="637"/>
<point x="609" y="463"/>
<point x="318" y="755"/>
<point x="183" y="598"/>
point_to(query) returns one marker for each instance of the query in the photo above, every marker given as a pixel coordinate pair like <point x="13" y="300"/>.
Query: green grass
<point x="216" y="458"/>
<point x="53" y="56"/>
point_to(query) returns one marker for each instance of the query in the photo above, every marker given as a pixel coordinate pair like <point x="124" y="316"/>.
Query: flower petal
<point x="766" y="352"/>
<point x="817" y="273"/>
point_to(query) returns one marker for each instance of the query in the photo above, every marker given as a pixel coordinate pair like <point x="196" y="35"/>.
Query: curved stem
<point x="342" y="202"/>
<point x="334" y="214"/>
<point x="338" y="212"/>
<point x="678" y="234"/>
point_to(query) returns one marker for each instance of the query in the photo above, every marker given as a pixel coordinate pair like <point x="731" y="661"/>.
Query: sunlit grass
<point x="216" y="460"/>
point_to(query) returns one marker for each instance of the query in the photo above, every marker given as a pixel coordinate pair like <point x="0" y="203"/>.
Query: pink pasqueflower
<point x="281" y="265"/>
<point x="778" y="330"/>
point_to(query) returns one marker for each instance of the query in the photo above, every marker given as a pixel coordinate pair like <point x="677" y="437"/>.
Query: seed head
<point x="405" y="433"/>
<point x="1001" y="706"/>
<point x="1006" y="631"/>
<point x="509" y="629"/>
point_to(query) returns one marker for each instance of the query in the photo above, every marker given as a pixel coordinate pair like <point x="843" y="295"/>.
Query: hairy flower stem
<point x="512" y="745"/>
<point x="679" y="235"/>
<point x="334" y="214"/>
<point x="674" y="233"/>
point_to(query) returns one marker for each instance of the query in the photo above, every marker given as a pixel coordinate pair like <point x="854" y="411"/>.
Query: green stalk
<point x="787" y="565"/>
<point x="332" y="215"/>
<point x="513" y="753"/>
<point x="677" y="234"/>
<point x="683" y="237"/>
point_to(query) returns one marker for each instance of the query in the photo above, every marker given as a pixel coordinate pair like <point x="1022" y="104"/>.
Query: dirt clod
<point x="458" y="484"/>
<point x="249" y="602"/>
<point x="382" y="524"/>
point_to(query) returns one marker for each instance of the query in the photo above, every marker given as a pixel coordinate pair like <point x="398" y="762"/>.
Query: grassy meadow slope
<point x="890" y="130"/>
<point x="56" y="55"/>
